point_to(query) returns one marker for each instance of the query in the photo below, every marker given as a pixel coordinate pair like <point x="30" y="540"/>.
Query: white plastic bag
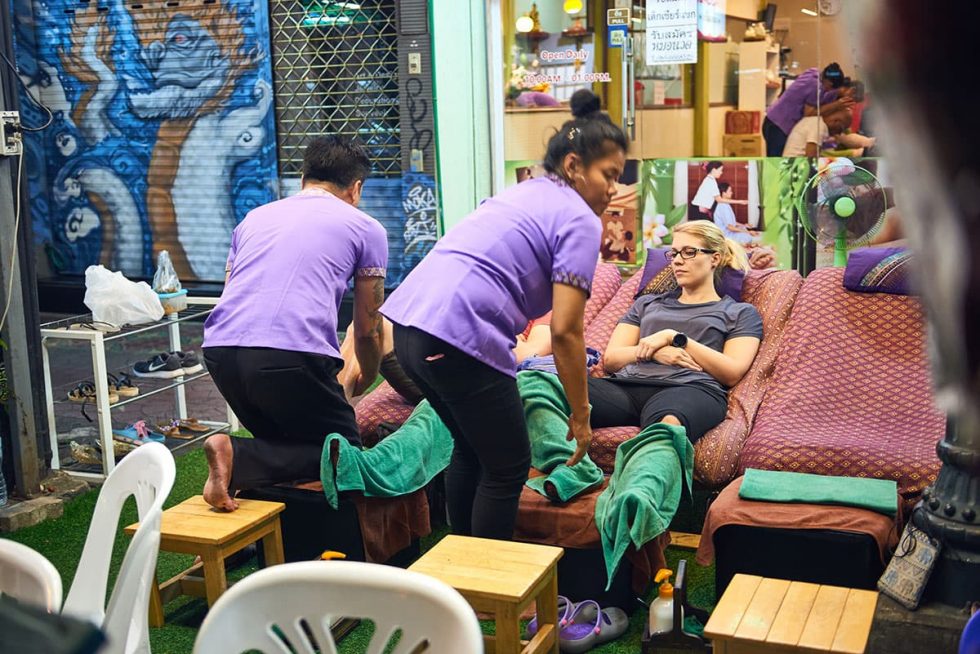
<point x="114" y="299"/>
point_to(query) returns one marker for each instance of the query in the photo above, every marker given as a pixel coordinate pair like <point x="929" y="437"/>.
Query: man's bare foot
<point x="218" y="451"/>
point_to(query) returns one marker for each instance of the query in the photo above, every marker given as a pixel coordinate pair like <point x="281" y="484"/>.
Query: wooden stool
<point x="502" y="578"/>
<point x="193" y="527"/>
<point x="773" y="615"/>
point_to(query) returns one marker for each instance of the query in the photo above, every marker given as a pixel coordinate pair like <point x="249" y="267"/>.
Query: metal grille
<point x="335" y="66"/>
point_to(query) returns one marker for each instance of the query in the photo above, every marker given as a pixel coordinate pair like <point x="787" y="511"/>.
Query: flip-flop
<point x="173" y="431"/>
<point x="613" y="625"/>
<point x="565" y="607"/>
<point x="123" y="385"/>
<point x="85" y="393"/>
<point x="193" y="424"/>
<point x="137" y="434"/>
<point x="580" y="635"/>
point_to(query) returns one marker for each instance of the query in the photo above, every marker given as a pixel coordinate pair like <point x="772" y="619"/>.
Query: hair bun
<point x="585" y="104"/>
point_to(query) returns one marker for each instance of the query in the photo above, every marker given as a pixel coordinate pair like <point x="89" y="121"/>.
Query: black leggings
<point x="290" y="402"/>
<point x="483" y="410"/>
<point x="775" y="138"/>
<point x="616" y="403"/>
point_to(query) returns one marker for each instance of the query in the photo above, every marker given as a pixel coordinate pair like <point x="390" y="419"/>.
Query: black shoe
<point x="189" y="362"/>
<point x="162" y="366"/>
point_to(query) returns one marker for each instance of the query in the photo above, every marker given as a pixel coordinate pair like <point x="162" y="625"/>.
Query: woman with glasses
<point x="673" y="356"/>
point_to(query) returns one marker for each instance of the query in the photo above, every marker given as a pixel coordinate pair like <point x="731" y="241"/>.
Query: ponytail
<point x="733" y="256"/>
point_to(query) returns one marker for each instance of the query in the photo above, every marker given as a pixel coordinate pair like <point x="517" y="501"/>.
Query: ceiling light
<point x="572" y="6"/>
<point x="808" y="12"/>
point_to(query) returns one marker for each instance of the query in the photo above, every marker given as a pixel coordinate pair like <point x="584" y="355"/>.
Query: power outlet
<point x="10" y="136"/>
<point x="414" y="63"/>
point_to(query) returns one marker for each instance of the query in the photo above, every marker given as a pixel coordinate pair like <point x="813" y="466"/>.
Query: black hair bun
<point x="585" y="104"/>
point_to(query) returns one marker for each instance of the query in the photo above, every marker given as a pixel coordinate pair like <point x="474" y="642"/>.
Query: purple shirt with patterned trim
<point x="786" y="111"/>
<point x="491" y="274"/>
<point x="289" y="266"/>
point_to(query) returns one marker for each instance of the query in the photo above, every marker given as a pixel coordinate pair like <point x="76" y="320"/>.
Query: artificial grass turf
<point x="61" y="541"/>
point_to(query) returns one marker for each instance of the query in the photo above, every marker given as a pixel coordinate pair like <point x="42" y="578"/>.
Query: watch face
<point x="680" y="340"/>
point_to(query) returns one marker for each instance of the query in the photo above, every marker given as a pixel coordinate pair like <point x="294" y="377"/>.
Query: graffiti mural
<point x="162" y="135"/>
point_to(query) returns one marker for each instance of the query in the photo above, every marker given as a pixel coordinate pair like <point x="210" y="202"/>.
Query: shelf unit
<point x="198" y="307"/>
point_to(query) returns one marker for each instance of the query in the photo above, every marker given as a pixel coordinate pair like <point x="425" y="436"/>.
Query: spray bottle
<point x="662" y="608"/>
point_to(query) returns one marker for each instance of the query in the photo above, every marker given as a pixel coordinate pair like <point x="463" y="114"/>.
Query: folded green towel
<point x="546" y="411"/>
<point x="652" y="471"/>
<point x="880" y="495"/>
<point x="400" y="464"/>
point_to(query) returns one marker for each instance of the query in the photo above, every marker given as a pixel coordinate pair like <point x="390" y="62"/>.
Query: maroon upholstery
<point x="598" y="331"/>
<point x="851" y="393"/>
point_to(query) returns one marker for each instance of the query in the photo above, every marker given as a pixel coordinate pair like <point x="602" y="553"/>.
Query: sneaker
<point x="162" y="366"/>
<point x="189" y="362"/>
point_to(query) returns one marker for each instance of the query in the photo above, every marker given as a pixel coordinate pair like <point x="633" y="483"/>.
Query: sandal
<point x="193" y="424"/>
<point x="613" y="623"/>
<point x="123" y="385"/>
<point x="172" y="430"/>
<point x="565" y="607"/>
<point x="95" y="325"/>
<point x="137" y="434"/>
<point x="582" y="633"/>
<point x="85" y="393"/>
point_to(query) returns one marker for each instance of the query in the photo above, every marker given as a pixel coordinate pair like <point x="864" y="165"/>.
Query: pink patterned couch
<point x="851" y="393"/>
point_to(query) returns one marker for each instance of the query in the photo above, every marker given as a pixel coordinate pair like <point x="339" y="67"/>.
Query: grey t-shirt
<point x="710" y="324"/>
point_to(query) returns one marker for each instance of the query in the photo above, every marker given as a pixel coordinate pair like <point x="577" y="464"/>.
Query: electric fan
<point x="842" y="206"/>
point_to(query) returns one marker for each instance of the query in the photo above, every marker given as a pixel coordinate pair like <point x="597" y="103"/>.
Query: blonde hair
<point x="732" y="254"/>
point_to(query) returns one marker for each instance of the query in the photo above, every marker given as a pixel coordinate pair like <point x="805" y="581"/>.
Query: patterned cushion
<point x="879" y="270"/>
<point x="598" y="331"/>
<point x="716" y="454"/>
<point x="602" y="451"/>
<point x="605" y="283"/>
<point x="382" y="404"/>
<point x="851" y="393"/>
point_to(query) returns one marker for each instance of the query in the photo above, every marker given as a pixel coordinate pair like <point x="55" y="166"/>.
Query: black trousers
<point x="633" y="402"/>
<point x="290" y="401"/>
<point x="775" y="138"/>
<point x="483" y="410"/>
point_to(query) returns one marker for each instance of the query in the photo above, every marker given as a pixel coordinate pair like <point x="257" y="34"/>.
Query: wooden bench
<point x="757" y="614"/>
<point x="193" y="527"/>
<point x="502" y="578"/>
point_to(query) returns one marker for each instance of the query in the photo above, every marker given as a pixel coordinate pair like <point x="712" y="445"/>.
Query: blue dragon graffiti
<point x="162" y="134"/>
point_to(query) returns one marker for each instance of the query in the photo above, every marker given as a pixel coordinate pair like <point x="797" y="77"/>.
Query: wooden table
<point x="774" y="615"/>
<point x="502" y="578"/>
<point x="193" y="527"/>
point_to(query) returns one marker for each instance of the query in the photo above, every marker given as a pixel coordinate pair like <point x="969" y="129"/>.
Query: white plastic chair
<point x="148" y="473"/>
<point x="27" y="576"/>
<point x="304" y="599"/>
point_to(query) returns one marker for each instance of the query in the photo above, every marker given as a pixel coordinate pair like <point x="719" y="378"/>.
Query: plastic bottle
<point x="662" y="608"/>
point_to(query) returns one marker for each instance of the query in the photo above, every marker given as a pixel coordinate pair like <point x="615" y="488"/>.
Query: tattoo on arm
<point x="379" y="298"/>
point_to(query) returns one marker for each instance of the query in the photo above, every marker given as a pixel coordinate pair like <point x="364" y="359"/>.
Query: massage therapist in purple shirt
<point x="271" y="341"/>
<point x="529" y="249"/>
<point x="803" y="97"/>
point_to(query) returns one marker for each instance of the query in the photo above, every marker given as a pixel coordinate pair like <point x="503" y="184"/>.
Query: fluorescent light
<point x="808" y="12"/>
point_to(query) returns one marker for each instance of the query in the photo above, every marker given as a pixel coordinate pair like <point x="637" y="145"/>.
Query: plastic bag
<point x="165" y="278"/>
<point x="114" y="299"/>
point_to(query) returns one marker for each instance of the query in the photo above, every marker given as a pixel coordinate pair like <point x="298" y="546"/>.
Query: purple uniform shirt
<point x="788" y="109"/>
<point x="290" y="263"/>
<point x="488" y="277"/>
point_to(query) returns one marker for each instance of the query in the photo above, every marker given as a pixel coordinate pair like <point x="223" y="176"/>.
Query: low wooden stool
<point x="757" y="614"/>
<point x="502" y="578"/>
<point x="193" y="527"/>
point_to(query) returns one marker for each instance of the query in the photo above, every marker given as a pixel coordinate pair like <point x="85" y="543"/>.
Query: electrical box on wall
<point x="417" y="109"/>
<point x="10" y="134"/>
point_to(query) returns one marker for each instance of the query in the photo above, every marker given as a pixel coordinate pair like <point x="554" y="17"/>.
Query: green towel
<point x="546" y="411"/>
<point x="880" y="495"/>
<point x="644" y="490"/>
<point x="400" y="464"/>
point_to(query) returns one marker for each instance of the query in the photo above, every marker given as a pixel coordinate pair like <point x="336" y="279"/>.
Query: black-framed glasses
<point x="686" y="253"/>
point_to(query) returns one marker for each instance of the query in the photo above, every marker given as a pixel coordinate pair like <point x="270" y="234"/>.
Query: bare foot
<point x="218" y="451"/>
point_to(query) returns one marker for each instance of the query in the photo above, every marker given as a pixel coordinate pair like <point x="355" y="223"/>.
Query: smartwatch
<point x="679" y="340"/>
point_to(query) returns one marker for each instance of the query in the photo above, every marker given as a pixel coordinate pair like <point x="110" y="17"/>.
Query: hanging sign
<point x="617" y="36"/>
<point x="618" y="16"/>
<point x="672" y="32"/>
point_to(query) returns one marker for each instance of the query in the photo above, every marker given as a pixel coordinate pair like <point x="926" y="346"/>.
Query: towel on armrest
<point x="880" y="495"/>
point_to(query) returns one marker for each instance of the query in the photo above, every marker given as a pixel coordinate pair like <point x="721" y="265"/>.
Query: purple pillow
<point x="879" y="270"/>
<point x="657" y="277"/>
<point x="536" y="99"/>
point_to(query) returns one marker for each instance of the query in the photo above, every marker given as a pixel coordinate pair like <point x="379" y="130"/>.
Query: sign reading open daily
<point x="672" y="32"/>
